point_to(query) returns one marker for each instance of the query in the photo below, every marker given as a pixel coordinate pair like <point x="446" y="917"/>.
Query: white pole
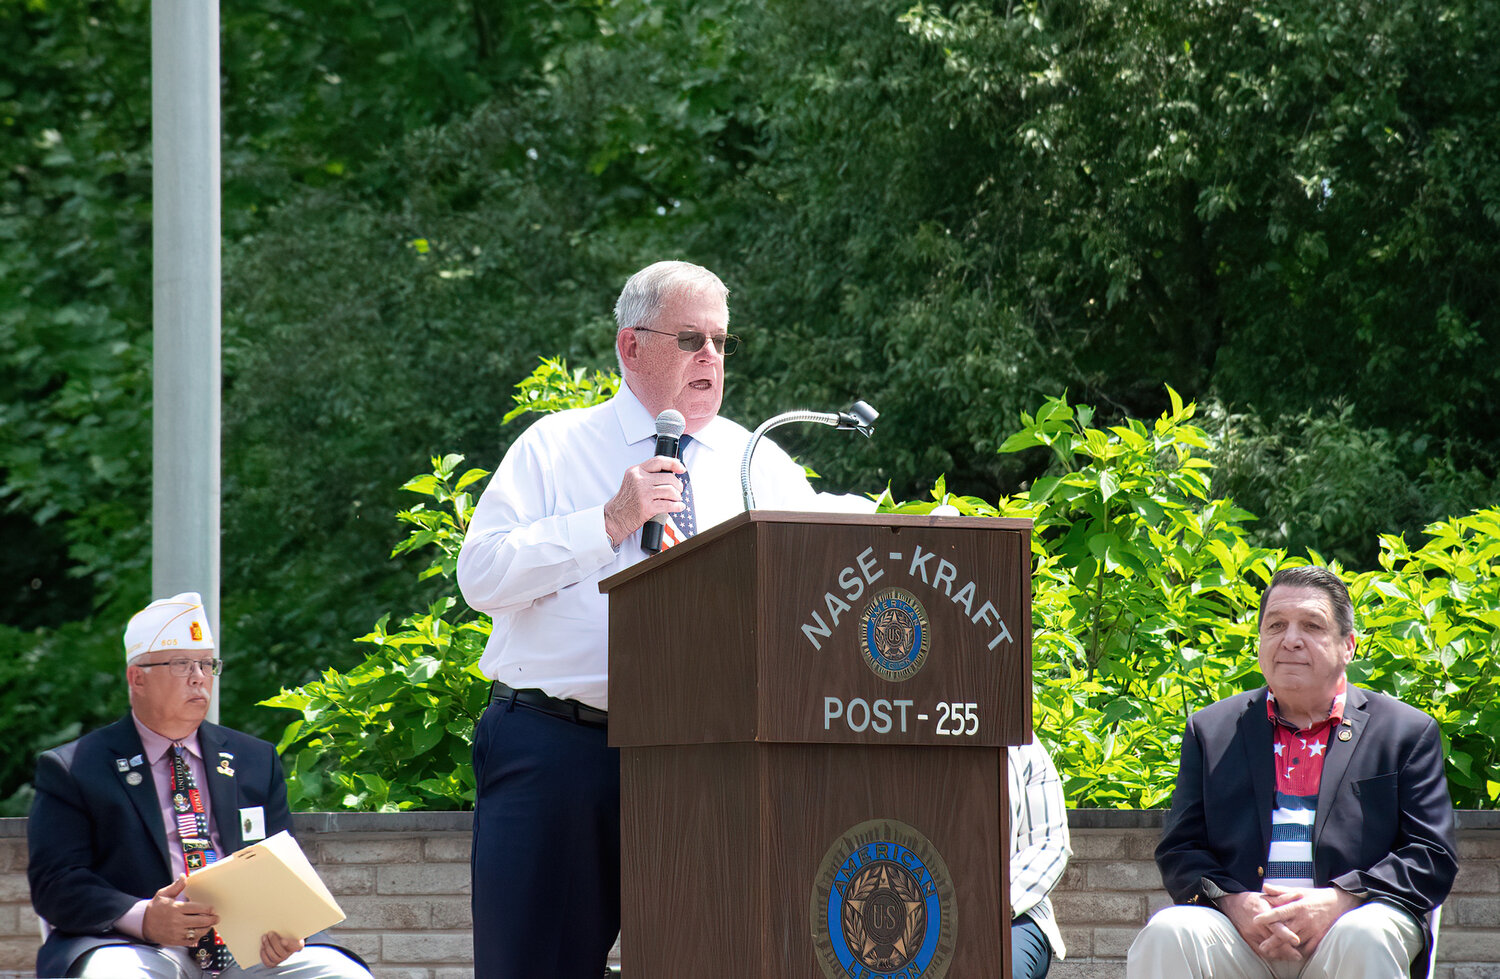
<point x="185" y="239"/>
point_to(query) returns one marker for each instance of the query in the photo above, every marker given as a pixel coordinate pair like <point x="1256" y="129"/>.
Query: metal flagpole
<point x="185" y="243"/>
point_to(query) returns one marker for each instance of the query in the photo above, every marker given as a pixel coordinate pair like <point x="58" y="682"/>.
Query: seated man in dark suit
<point x="125" y="812"/>
<point x="1311" y="831"/>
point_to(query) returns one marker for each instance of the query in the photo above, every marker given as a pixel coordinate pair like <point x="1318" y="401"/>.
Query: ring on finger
<point x="192" y="935"/>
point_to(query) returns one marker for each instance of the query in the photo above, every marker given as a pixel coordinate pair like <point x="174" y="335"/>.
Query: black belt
<point x="568" y="710"/>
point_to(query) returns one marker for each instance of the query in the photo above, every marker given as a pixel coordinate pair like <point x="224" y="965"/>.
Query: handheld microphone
<point x="669" y="428"/>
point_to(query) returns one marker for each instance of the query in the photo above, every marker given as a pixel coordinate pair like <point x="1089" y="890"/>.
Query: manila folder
<point x="266" y="887"/>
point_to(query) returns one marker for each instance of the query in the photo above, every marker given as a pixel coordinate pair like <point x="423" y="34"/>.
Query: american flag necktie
<point x="687" y="520"/>
<point x="197" y="851"/>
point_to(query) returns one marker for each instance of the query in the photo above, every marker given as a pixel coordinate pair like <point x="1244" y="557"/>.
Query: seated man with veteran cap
<point x="124" y="813"/>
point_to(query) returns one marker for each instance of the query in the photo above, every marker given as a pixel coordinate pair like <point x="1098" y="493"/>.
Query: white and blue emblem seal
<point x="883" y="905"/>
<point x="895" y="634"/>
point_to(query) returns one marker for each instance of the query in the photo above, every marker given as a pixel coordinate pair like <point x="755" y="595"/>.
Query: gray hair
<point x="645" y="292"/>
<point x="1322" y="579"/>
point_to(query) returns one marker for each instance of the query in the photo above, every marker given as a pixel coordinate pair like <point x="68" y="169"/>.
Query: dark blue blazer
<point x="98" y="844"/>
<point x="1384" y="826"/>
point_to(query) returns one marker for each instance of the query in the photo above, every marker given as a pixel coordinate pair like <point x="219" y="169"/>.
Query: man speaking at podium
<point x="564" y="511"/>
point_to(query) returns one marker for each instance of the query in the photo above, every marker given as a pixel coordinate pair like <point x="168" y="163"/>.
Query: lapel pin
<point x="137" y="761"/>
<point x="122" y="765"/>
<point x="224" y="768"/>
<point x="134" y="778"/>
<point x="1345" y="734"/>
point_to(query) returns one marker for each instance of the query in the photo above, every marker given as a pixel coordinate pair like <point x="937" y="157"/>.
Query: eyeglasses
<point x="692" y="340"/>
<point x="184" y="666"/>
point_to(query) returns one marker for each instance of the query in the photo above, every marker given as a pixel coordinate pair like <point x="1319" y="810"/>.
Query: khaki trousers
<point x="1374" y="941"/>
<point x="151" y="962"/>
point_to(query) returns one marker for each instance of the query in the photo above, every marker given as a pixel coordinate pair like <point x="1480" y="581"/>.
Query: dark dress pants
<point x="1030" y="953"/>
<point x="546" y="858"/>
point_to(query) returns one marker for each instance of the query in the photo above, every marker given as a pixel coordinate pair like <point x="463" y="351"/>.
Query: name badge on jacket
<point x="253" y="824"/>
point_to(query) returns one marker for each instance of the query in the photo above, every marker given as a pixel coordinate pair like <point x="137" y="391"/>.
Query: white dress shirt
<point x="1039" y="847"/>
<point x="536" y="548"/>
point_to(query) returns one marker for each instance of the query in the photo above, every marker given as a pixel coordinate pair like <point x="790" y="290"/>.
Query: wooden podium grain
<point x="738" y="771"/>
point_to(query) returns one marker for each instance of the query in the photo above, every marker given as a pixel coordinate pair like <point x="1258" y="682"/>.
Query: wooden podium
<point x="812" y="712"/>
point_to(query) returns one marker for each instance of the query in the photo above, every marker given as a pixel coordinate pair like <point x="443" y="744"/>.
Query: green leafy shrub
<point x="552" y="387"/>
<point x="1144" y="595"/>
<point x="1141" y="586"/>
<point x="1429" y="618"/>
<point x="395" y="732"/>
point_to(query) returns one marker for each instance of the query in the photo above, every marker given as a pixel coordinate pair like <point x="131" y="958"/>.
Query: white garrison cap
<point x="172" y="623"/>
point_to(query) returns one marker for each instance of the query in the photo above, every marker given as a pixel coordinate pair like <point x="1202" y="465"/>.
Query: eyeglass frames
<point x="184" y="666"/>
<point x="693" y="340"/>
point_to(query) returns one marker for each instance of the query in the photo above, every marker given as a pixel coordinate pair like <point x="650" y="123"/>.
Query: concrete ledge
<point x="417" y="822"/>
<point x="403" y="880"/>
<point x="383" y="822"/>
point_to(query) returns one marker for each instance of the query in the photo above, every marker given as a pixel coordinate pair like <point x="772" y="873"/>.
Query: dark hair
<point x="1322" y="579"/>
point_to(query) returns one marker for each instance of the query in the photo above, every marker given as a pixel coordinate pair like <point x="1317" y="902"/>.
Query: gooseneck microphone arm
<point x="859" y="418"/>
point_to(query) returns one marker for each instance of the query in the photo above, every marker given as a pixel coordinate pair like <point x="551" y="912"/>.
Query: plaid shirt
<point x="1039" y="847"/>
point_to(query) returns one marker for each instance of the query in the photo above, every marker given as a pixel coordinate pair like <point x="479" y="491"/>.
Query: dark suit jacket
<point x="98" y="844"/>
<point x="1384" y="825"/>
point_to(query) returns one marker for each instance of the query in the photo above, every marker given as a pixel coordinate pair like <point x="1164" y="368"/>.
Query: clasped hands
<point x="1286" y="923"/>
<point x="169" y="921"/>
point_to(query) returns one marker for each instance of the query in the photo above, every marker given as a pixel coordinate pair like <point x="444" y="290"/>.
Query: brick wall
<point x="403" y="880"/>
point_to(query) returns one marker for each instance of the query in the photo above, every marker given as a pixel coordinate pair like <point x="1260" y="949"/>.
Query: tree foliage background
<point x="1288" y="212"/>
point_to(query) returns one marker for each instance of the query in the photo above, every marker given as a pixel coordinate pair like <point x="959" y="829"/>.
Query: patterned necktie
<point x="687" y="520"/>
<point x="197" y="851"/>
